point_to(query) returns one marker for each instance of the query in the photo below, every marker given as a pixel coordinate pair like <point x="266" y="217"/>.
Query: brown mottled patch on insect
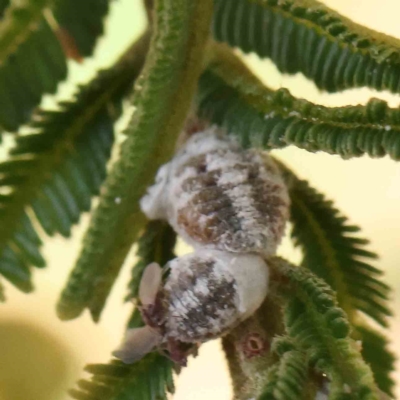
<point x="271" y="205"/>
<point x="235" y="203"/>
<point x="221" y="196"/>
<point x="208" y="216"/>
<point x="202" y="300"/>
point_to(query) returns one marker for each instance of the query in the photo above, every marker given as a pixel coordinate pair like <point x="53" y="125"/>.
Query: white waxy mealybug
<point x="217" y="195"/>
<point x="206" y="294"/>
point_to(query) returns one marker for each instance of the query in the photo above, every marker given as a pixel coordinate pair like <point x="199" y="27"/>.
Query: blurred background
<point x="48" y="355"/>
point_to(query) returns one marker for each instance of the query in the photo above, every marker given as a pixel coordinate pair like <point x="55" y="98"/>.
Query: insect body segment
<point x="206" y="294"/>
<point x="231" y="205"/>
<point x="211" y="291"/>
<point x="217" y="195"/>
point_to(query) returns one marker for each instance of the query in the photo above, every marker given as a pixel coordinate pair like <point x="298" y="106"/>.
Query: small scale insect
<point x="206" y="294"/>
<point x="217" y="195"/>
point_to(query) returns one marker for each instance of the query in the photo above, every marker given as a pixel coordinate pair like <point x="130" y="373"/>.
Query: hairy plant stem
<point x="149" y="7"/>
<point x="249" y="373"/>
<point x="162" y="99"/>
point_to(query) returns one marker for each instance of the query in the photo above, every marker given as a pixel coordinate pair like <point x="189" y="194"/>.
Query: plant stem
<point x="162" y="99"/>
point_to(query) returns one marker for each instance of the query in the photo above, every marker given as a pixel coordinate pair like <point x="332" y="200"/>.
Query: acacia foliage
<point x="36" y="37"/>
<point x="60" y="163"/>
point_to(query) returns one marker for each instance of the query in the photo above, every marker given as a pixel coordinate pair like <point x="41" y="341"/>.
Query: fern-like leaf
<point x="82" y="28"/>
<point x="32" y="45"/>
<point x="32" y="61"/>
<point x="306" y="36"/>
<point x="147" y="379"/>
<point x="376" y="354"/>
<point x="287" y="379"/>
<point x="333" y="251"/>
<point x="155" y="245"/>
<point x="314" y="320"/>
<point x="55" y="170"/>
<point x="232" y="97"/>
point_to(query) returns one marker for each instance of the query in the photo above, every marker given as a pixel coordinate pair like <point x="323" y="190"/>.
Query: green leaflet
<point x="155" y="245"/>
<point x="55" y="170"/>
<point x="18" y="20"/>
<point x="314" y="320"/>
<point x="287" y="379"/>
<point x="167" y="85"/>
<point x="20" y="251"/>
<point x="83" y="27"/>
<point x="32" y="60"/>
<point x="231" y="96"/>
<point x="306" y="36"/>
<point x="376" y="354"/>
<point x="333" y="251"/>
<point x="147" y="379"/>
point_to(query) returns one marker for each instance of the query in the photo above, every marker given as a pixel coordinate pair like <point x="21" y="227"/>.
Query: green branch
<point x="231" y="96"/>
<point x="313" y="319"/>
<point x="162" y="102"/>
<point x="287" y="379"/>
<point x="306" y="36"/>
<point x="334" y="252"/>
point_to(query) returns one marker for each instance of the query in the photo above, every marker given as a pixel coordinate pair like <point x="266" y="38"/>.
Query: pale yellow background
<point x="367" y="190"/>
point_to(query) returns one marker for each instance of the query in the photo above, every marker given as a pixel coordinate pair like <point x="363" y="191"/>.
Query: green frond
<point x="374" y="349"/>
<point x="20" y="251"/>
<point x="32" y="61"/>
<point x="287" y="379"/>
<point x="33" y="38"/>
<point x="167" y="85"/>
<point x="55" y="170"/>
<point x="83" y="27"/>
<point x="314" y="320"/>
<point x="306" y="36"/>
<point x="334" y="251"/>
<point x="148" y="379"/>
<point x="232" y="97"/>
<point x="155" y="245"/>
